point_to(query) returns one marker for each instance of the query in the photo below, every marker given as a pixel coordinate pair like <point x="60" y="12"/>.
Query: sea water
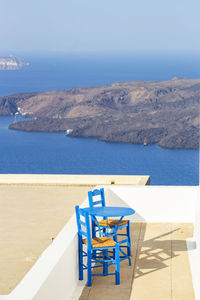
<point x="54" y="153"/>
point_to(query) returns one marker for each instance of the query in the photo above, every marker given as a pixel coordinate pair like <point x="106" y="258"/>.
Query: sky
<point x="99" y="26"/>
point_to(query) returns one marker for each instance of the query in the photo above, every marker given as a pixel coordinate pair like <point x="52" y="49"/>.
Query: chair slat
<point x="83" y="233"/>
<point x="97" y="202"/>
<point x="96" y="192"/>
<point x="82" y="223"/>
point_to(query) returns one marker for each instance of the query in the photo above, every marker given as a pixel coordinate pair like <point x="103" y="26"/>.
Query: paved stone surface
<point x="160" y="267"/>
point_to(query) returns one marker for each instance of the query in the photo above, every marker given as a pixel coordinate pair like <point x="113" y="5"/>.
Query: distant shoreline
<point x="10" y="63"/>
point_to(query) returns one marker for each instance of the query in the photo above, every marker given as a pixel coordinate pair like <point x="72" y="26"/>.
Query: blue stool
<point x="97" y="251"/>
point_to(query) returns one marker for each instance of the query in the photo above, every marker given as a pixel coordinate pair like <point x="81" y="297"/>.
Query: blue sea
<point x="54" y="153"/>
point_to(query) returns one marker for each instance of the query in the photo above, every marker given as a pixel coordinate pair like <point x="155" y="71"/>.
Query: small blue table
<point x="110" y="211"/>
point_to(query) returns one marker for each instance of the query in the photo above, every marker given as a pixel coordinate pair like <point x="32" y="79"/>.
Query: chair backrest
<point x="83" y="224"/>
<point x="96" y="198"/>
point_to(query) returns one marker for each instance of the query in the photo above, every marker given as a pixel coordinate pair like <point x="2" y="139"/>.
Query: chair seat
<point x="111" y="223"/>
<point x="101" y="242"/>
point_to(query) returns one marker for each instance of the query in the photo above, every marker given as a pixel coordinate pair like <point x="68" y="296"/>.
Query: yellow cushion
<point x="111" y="223"/>
<point x="100" y="242"/>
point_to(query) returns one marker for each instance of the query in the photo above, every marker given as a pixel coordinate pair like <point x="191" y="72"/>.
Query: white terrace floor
<point x="160" y="268"/>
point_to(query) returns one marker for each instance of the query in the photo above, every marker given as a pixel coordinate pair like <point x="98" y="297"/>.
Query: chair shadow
<point x="153" y="254"/>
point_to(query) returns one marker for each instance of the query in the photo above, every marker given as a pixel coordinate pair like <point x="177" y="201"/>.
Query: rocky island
<point x="164" y="113"/>
<point x="12" y="63"/>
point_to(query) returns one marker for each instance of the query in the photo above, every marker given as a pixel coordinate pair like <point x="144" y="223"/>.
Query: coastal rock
<point x="9" y="104"/>
<point x="164" y="113"/>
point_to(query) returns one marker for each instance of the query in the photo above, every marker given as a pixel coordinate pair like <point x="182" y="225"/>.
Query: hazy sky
<point x="106" y="25"/>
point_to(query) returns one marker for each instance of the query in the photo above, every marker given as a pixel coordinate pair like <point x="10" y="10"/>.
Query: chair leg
<point x="94" y="235"/>
<point x="117" y="265"/>
<point x="80" y="257"/>
<point x="105" y="264"/>
<point x="89" y="268"/>
<point x="93" y="229"/>
<point x="115" y="239"/>
<point x="128" y="232"/>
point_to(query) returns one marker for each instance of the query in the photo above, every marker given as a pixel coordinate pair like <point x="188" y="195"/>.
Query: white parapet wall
<point x="55" y="274"/>
<point x="197" y="220"/>
<point x="157" y="203"/>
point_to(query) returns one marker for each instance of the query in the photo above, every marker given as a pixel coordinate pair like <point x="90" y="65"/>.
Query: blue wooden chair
<point x="96" y="250"/>
<point x="97" y="198"/>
